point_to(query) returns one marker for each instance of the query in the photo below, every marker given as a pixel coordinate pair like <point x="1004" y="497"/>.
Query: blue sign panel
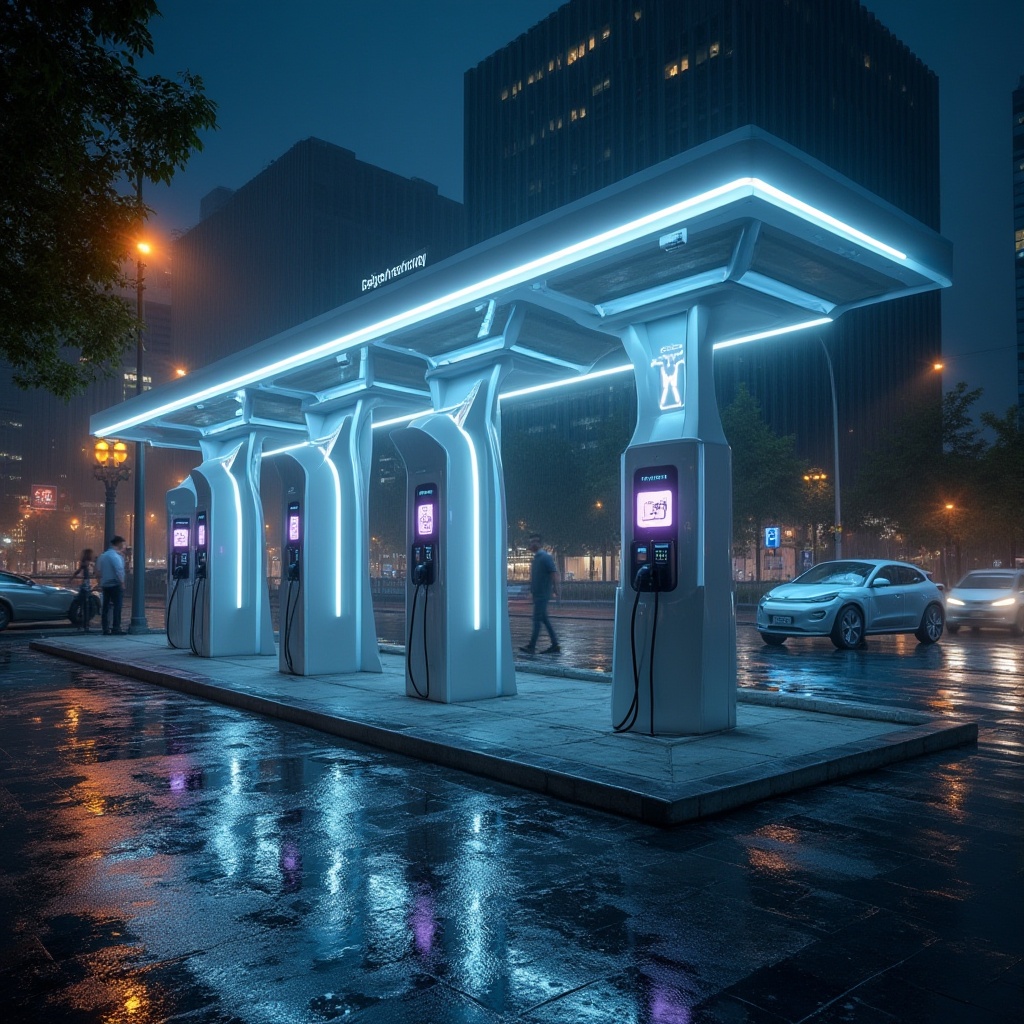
<point x="771" y="536"/>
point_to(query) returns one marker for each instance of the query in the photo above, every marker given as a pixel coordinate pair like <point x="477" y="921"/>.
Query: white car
<point x="25" y="600"/>
<point x="850" y="599"/>
<point x="988" y="597"/>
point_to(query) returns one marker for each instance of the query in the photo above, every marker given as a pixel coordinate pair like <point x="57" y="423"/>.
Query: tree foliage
<point x="937" y="475"/>
<point x="80" y="130"/>
<point x="766" y="474"/>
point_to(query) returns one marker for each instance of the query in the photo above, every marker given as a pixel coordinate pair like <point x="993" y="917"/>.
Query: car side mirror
<point x="881" y="581"/>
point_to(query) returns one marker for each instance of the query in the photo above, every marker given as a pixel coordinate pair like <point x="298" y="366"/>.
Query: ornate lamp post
<point x="110" y="470"/>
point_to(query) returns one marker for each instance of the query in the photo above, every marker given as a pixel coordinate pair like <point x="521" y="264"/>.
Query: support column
<point x="674" y="615"/>
<point x="232" y="604"/>
<point x="327" y="623"/>
<point x="461" y="643"/>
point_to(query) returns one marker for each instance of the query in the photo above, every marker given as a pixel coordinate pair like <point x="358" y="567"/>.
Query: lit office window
<point x="606" y="32"/>
<point x="714" y="49"/>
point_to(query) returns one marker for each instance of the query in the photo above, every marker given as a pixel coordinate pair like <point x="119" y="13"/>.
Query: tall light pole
<point x="838" y="535"/>
<point x="110" y="470"/>
<point x="73" y="525"/>
<point x="138" y="623"/>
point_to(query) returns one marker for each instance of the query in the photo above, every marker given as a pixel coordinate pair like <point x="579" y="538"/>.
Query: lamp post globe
<point x="110" y="470"/>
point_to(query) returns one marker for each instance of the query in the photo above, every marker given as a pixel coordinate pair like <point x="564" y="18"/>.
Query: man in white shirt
<point x="110" y="569"/>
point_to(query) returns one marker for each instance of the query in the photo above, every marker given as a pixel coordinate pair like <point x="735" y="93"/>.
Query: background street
<point x="165" y="859"/>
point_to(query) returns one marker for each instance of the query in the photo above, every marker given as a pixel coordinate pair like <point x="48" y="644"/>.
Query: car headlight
<point x="956" y="601"/>
<point x="1004" y="602"/>
<point x="817" y="599"/>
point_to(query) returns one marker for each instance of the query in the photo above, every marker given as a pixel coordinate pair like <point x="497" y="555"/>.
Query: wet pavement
<point x="169" y="859"/>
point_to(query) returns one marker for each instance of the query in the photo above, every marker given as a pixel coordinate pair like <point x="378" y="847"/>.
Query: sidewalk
<point x="555" y="737"/>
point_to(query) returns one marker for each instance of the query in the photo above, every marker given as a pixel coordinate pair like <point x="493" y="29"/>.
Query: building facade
<point x="602" y="89"/>
<point x="312" y="231"/>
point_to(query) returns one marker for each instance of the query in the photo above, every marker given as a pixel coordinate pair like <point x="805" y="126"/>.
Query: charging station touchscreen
<point x="181" y="541"/>
<point x="293" y="534"/>
<point x="425" y="530"/>
<point x="655" y="528"/>
<point x="202" y="545"/>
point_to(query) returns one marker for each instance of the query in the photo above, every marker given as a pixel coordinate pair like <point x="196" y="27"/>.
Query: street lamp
<point x="952" y="541"/>
<point x="110" y="471"/>
<point x="73" y="525"/>
<point x="138" y="624"/>
<point x="817" y="480"/>
<point x="838" y="535"/>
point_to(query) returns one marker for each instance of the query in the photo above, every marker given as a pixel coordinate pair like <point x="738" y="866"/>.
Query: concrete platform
<point x="555" y="736"/>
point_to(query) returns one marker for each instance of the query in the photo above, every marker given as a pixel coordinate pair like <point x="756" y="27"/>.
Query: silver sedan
<point x="24" y="600"/>
<point x="988" y="597"/>
<point x="850" y="599"/>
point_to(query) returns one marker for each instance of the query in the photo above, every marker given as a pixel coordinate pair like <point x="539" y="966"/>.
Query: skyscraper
<point x="604" y="88"/>
<point x="299" y="239"/>
<point x="1018" y="234"/>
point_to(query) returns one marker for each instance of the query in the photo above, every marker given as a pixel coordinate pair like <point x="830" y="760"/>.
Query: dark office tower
<point x="1018" y="234"/>
<point x="604" y="88"/>
<point x="299" y="239"/>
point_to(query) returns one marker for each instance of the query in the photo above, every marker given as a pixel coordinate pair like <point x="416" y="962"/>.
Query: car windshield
<point x="985" y="581"/>
<point x="847" y="574"/>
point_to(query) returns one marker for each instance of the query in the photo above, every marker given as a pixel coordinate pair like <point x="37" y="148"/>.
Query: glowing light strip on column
<point x="238" y="519"/>
<point x="337" y="534"/>
<point x="475" y="471"/>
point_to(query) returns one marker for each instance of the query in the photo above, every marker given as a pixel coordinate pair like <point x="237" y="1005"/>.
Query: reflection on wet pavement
<point x="166" y="859"/>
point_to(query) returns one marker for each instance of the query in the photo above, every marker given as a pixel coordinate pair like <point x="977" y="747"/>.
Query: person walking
<point x="110" y="568"/>
<point x="543" y="587"/>
<point x="86" y="570"/>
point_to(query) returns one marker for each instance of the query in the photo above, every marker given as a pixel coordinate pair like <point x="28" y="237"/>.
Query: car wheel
<point x="1017" y="629"/>
<point x="952" y="627"/>
<point x="5" y="616"/>
<point x="75" y="612"/>
<point x="931" y="625"/>
<point x="773" y="639"/>
<point x="848" y="630"/>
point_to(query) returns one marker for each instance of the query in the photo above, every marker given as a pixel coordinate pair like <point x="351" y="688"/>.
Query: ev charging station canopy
<point x="738" y="240"/>
<point x="770" y="239"/>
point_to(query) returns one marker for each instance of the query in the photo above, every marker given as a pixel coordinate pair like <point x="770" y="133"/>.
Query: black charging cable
<point x="650" y="663"/>
<point x="287" y="623"/>
<point x="408" y="646"/>
<point x="170" y="607"/>
<point x="629" y="720"/>
<point x="192" y="623"/>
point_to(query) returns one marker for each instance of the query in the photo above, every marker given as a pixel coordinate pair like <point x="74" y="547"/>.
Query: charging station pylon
<point x="326" y="611"/>
<point x="461" y="648"/>
<point x="682" y="640"/>
<point x="181" y="506"/>
<point x="232" y="604"/>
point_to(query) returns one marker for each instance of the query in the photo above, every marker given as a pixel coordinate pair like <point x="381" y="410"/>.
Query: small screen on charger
<point x="201" y="535"/>
<point x="180" y="539"/>
<point x="293" y="529"/>
<point x="425" y="520"/>
<point x="654" y="508"/>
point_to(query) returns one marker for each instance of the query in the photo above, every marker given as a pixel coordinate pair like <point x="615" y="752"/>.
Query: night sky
<point x="385" y="79"/>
